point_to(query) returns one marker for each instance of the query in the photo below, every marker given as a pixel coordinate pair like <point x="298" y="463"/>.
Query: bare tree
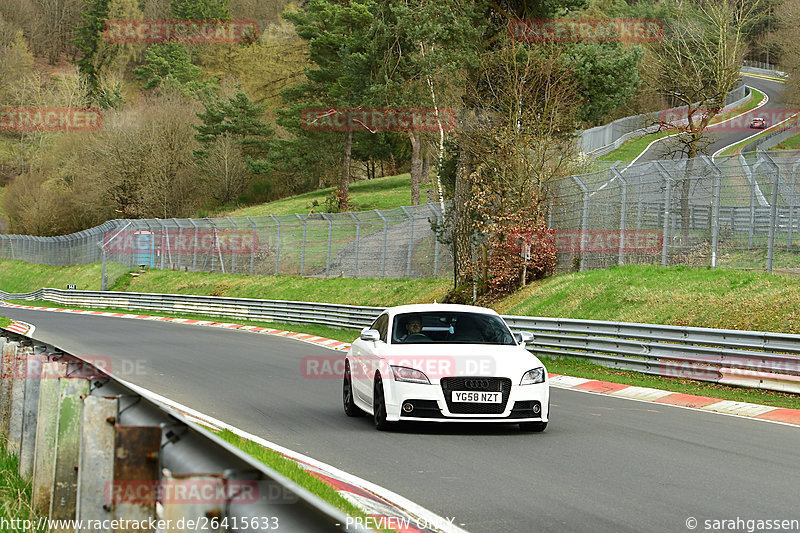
<point x="695" y="66"/>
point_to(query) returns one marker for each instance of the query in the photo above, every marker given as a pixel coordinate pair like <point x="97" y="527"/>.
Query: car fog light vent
<point x="408" y="407"/>
<point x="536" y="409"/>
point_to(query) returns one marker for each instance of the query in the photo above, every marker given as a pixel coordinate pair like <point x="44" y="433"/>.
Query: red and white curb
<point x="688" y="401"/>
<point x="385" y="509"/>
<point x="23" y="328"/>
<point x="305" y="337"/>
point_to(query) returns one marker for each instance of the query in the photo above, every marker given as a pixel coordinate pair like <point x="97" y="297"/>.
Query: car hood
<point x="444" y="360"/>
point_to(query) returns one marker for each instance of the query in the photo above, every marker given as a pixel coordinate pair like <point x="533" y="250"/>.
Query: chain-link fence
<point x="394" y="243"/>
<point x="740" y="211"/>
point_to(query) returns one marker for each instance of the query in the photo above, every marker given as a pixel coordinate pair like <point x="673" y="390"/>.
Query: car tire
<point x="379" y="406"/>
<point x="533" y="427"/>
<point x="350" y="407"/>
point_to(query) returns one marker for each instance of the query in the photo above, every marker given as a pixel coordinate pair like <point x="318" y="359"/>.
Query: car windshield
<point x="450" y="328"/>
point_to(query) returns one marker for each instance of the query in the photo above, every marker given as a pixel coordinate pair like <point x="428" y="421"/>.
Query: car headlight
<point x="533" y="376"/>
<point x="402" y="373"/>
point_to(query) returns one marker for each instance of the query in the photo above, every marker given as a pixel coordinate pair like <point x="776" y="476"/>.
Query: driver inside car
<point x="414" y="329"/>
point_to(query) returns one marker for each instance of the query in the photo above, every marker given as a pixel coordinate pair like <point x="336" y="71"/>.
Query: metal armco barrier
<point x="744" y="358"/>
<point x="105" y="450"/>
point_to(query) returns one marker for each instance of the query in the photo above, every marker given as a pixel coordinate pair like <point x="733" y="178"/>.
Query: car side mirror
<point x="524" y="337"/>
<point x="370" y="335"/>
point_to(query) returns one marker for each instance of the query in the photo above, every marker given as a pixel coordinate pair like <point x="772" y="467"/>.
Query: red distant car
<point x="758" y="123"/>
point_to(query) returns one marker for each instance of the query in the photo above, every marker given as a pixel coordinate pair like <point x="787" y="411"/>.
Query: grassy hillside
<point x="679" y="295"/>
<point x="17" y="276"/>
<point x="380" y="193"/>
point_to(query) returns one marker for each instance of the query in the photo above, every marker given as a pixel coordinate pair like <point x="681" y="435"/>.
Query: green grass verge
<point x="584" y="369"/>
<point x="683" y="296"/>
<point x="15" y="493"/>
<point x="379" y="193"/>
<point x="631" y="149"/>
<point x="792" y="143"/>
<point x="18" y="276"/>
<point x="291" y="470"/>
<point x="371" y="292"/>
<point x="4" y="322"/>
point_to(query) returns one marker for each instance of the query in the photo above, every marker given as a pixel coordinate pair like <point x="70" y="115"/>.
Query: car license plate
<point x="477" y="397"/>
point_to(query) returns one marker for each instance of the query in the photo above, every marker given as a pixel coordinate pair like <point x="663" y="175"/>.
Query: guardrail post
<point x="96" y="469"/>
<point x="253" y="247"/>
<point x="68" y="438"/>
<point x="136" y="466"/>
<point x="33" y="374"/>
<point x="385" y="234"/>
<point x="358" y="240"/>
<point x="584" y="222"/>
<point x="46" y="430"/>
<point x="330" y="237"/>
<point x="277" y="244"/>
<point x="8" y="369"/>
<point x="410" y="241"/>
<point x="174" y="509"/>
<point x="17" y="398"/>
<point x="667" y="212"/>
<point x="773" y="208"/>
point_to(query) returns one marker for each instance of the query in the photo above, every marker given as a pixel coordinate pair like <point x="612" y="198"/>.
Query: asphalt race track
<point x="724" y="134"/>
<point x="604" y="464"/>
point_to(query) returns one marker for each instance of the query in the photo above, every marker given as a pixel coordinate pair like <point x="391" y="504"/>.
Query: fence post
<point x="233" y="247"/>
<point x="584" y="221"/>
<point x="96" y="469"/>
<point x="792" y="201"/>
<point x="17" y="397"/>
<point x="410" y="241"/>
<point x="8" y="369"/>
<point x="303" y="250"/>
<point x="194" y="248"/>
<point x="436" y="240"/>
<point x="68" y="439"/>
<point x="330" y="237"/>
<point x="716" y="192"/>
<point x="622" y="215"/>
<point x="253" y="248"/>
<point x="358" y="239"/>
<point x="667" y="212"/>
<point x="179" y="246"/>
<point x="277" y="243"/>
<point x="383" y="254"/>
<point x="752" y="180"/>
<point x="773" y="208"/>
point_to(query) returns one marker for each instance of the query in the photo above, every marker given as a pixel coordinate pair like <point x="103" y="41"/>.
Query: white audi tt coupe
<point x="445" y="363"/>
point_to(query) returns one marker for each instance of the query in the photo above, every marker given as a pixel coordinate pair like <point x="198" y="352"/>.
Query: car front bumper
<point x="430" y="404"/>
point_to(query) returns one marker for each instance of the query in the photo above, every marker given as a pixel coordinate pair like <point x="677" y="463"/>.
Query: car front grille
<point x="476" y="384"/>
